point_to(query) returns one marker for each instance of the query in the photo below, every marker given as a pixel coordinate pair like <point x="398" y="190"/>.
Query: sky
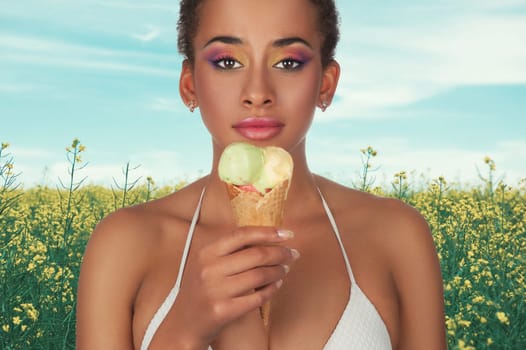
<point x="433" y="86"/>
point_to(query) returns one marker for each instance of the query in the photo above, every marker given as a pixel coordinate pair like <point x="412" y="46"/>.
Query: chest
<point x="309" y="305"/>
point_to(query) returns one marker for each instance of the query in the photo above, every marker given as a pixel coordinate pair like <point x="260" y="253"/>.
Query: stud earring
<point x="192" y="106"/>
<point x="324" y="106"/>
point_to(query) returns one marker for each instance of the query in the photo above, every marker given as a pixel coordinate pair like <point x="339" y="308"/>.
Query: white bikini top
<point x="360" y="325"/>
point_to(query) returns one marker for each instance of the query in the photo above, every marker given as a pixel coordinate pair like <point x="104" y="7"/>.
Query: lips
<point x="259" y="129"/>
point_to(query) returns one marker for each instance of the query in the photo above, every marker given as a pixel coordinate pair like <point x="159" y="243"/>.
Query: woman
<point x="349" y="270"/>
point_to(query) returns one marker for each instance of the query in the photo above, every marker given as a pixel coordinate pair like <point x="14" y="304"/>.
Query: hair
<point x="328" y="20"/>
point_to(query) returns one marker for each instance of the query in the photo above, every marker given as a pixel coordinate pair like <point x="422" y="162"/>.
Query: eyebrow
<point x="232" y="40"/>
<point x="289" y="41"/>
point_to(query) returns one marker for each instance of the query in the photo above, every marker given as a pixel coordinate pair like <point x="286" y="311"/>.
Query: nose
<point x="258" y="90"/>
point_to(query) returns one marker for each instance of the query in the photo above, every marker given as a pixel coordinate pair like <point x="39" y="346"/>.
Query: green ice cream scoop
<point x="241" y="163"/>
<point x="262" y="167"/>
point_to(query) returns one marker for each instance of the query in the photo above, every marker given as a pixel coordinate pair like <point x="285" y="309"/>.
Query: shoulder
<point x="131" y="234"/>
<point x="396" y="232"/>
<point x="120" y="254"/>
<point x="399" y="237"/>
<point x="117" y="255"/>
<point x="113" y="266"/>
<point x="396" y="225"/>
<point x="121" y="235"/>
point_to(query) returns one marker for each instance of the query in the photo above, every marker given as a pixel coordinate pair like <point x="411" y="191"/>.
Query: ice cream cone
<point x="257" y="180"/>
<point x="254" y="209"/>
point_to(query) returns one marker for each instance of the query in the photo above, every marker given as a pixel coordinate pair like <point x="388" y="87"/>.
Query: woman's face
<point x="257" y="75"/>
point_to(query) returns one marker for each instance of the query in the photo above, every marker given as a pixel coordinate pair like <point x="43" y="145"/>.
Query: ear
<point x="330" y="77"/>
<point x="186" y="84"/>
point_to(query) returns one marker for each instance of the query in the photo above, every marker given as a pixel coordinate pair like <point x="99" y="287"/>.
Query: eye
<point x="227" y="63"/>
<point x="289" y="64"/>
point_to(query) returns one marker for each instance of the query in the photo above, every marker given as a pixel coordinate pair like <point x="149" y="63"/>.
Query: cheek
<point x="301" y="94"/>
<point x="213" y="92"/>
<point x="217" y="101"/>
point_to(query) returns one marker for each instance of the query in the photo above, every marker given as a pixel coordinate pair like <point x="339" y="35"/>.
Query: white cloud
<point x="167" y="166"/>
<point x="25" y="152"/>
<point x="152" y="33"/>
<point x="141" y="6"/>
<point x="80" y="63"/>
<point x="107" y="18"/>
<point x="166" y="104"/>
<point x="390" y="66"/>
<point x="395" y="154"/>
<point x="20" y="88"/>
<point x="489" y="4"/>
<point x="39" y="51"/>
<point x="343" y="163"/>
<point x="43" y="166"/>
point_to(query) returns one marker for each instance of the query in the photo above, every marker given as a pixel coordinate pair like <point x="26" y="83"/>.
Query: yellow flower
<point x="489" y="341"/>
<point x="17" y="320"/>
<point x="59" y="274"/>
<point x="478" y="299"/>
<point x="483" y="319"/>
<point x="31" y="312"/>
<point x="48" y="272"/>
<point x="5" y="327"/>
<point x="23" y="327"/>
<point x="464" y="323"/>
<point x="450" y="324"/>
<point x="489" y="282"/>
<point x="503" y="318"/>
<point x="462" y="345"/>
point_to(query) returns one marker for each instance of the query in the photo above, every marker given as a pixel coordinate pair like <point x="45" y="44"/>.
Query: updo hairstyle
<point x="328" y="20"/>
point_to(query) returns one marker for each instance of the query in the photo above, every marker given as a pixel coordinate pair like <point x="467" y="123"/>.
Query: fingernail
<point x="295" y="254"/>
<point x="285" y="234"/>
<point x="286" y="268"/>
<point x="279" y="283"/>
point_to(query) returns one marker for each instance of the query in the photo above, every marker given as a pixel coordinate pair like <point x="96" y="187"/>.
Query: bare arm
<point x="418" y="279"/>
<point x="111" y="272"/>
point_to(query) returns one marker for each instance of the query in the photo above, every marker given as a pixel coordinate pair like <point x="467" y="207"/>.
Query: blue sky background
<point x="433" y="86"/>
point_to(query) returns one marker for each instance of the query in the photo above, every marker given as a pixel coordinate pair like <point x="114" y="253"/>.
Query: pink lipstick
<point x="258" y="129"/>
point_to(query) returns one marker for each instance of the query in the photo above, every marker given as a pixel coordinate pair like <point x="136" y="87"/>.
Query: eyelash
<point x="297" y="64"/>
<point x="220" y="63"/>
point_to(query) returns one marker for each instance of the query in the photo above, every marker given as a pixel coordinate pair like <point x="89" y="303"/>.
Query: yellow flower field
<point x="479" y="231"/>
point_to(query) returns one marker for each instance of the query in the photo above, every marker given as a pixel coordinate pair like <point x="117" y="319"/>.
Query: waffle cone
<point x="254" y="209"/>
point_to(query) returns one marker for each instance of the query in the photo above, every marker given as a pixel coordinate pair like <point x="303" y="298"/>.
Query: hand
<point x="227" y="279"/>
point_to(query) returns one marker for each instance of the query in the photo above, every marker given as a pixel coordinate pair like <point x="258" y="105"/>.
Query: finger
<point x="246" y="282"/>
<point x="255" y="256"/>
<point x="241" y="305"/>
<point x="248" y="236"/>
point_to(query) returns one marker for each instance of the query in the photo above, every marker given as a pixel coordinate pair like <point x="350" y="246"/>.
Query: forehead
<point x="263" y="20"/>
